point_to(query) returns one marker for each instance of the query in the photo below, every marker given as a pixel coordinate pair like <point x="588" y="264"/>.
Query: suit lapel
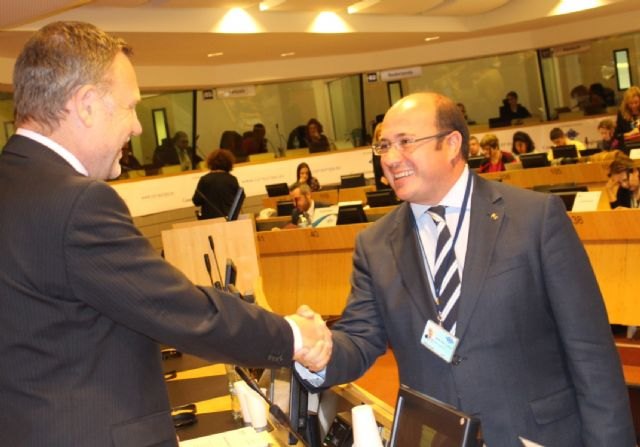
<point x="408" y="259"/>
<point x="487" y="217"/>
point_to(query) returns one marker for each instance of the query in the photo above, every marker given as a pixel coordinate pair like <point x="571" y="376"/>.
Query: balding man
<point x="485" y="294"/>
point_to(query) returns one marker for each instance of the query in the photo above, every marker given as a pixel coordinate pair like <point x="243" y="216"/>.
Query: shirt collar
<point x="55" y="147"/>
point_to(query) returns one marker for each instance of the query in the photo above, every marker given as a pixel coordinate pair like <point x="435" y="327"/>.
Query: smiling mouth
<point x="402" y="174"/>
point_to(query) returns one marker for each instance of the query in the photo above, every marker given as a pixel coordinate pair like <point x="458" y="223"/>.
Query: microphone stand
<point x="274" y="409"/>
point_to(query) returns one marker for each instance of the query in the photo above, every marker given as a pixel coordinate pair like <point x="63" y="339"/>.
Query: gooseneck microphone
<point x="275" y="410"/>
<point x="207" y="264"/>
<point x="215" y="258"/>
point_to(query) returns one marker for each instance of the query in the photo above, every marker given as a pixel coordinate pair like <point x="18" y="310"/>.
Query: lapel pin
<point x="493" y="216"/>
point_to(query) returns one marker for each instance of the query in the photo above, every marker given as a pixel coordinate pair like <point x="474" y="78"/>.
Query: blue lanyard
<point x="463" y="212"/>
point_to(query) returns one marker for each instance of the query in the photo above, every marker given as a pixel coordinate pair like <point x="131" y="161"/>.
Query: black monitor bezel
<point x="565" y="151"/>
<point x="353" y="180"/>
<point x="534" y="160"/>
<point x="351" y="214"/>
<point x="284" y="205"/>
<point x="277" y="189"/>
<point x="381" y="197"/>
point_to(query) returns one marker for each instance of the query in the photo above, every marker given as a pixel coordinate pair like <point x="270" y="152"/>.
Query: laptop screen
<point x="420" y="420"/>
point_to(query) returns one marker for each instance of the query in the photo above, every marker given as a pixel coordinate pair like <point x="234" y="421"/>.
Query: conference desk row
<point x="313" y="265"/>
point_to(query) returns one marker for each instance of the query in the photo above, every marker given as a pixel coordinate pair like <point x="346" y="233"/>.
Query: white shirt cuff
<point x="297" y="335"/>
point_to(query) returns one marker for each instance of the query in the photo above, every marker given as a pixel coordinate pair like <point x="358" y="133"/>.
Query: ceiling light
<point x="290" y="53"/>
<point x="237" y="20"/>
<point x="429" y="39"/>
<point x="219" y="53"/>
<point x="569" y="6"/>
<point x="269" y="4"/>
<point x="329" y="22"/>
<point x="359" y="6"/>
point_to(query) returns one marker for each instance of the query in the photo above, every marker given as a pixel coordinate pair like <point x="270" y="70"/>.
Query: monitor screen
<point x="475" y="162"/>
<point x="590" y="151"/>
<point x="534" y="160"/>
<point x="277" y="189"/>
<point x="285" y="207"/>
<point x="420" y="420"/>
<point x="568" y="151"/>
<point x="236" y="205"/>
<point x="350" y="214"/>
<point x="384" y="197"/>
<point x="352" y="180"/>
<point x="499" y="122"/>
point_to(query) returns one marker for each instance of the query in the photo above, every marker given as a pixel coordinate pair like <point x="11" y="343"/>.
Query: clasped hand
<point x="316" y="339"/>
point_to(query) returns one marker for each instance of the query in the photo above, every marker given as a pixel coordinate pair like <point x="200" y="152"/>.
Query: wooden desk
<point x="588" y="174"/>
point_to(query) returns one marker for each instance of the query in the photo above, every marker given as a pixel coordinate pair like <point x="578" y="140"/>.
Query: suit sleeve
<point x="111" y="267"/>
<point x="585" y="333"/>
<point x="359" y="338"/>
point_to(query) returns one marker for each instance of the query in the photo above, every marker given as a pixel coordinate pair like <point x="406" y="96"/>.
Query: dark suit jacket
<point x="83" y="300"/>
<point x="215" y="193"/>
<point x="536" y="356"/>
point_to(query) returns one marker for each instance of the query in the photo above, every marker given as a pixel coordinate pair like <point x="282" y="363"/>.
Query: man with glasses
<point x="483" y="291"/>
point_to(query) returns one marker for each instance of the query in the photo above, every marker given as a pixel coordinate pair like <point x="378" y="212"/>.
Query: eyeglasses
<point x="404" y="144"/>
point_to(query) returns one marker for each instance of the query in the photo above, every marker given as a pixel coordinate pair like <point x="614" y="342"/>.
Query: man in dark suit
<point x="535" y="358"/>
<point x="305" y="207"/>
<point x="83" y="296"/>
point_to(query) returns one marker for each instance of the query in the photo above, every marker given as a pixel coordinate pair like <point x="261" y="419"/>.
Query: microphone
<point x="207" y="264"/>
<point x="275" y="410"/>
<point x="215" y="258"/>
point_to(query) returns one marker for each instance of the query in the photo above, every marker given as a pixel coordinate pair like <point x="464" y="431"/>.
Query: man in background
<point x="485" y="294"/>
<point x="84" y="298"/>
<point x="304" y="206"/>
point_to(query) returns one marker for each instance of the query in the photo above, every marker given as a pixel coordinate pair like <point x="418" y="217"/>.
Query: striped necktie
<point x="446" y="278"/>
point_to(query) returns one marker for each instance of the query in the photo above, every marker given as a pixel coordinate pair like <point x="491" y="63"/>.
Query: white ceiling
<point x="180" y="33"/>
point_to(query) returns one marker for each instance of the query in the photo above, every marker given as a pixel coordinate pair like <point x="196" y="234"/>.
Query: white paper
<point x="243" y="437"/>
<point x="587" y="201"/>
<point x="365" y="429"/>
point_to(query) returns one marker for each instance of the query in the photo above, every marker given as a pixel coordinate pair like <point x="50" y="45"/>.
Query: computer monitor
<point x="352" y="180"/>
<point x="350" y="214"/>
<point x="277" y="189"/>
<point x="566" y="151"/>
<point x="534" y="160"/>
<point x="475" y="162"/>
<point x="284" y="207"/>
<point x="420" y="420"/>
<point x="384" y="197"/>
<point x="499" y="122"/>
<point x="236" y="205"/>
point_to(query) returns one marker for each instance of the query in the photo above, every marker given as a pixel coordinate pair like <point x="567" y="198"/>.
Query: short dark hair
<point x="317" y="123"/>
<point x="221" y="159"/>
<point x="622" y="163"/>
<point x="299" y="168"/>
<point x="512" y="93"/>
<point x="556" y="133"/>
<point x="449" y="117"/>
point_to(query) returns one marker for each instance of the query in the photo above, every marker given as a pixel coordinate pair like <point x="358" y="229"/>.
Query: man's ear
<point x="454" y="144"/>
<point x="83" y="104"/>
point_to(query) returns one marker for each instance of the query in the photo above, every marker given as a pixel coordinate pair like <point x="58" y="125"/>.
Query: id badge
<point x="439" y="341"/>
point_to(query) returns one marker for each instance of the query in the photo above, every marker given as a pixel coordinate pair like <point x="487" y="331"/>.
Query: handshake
<point x="316" y="339"/>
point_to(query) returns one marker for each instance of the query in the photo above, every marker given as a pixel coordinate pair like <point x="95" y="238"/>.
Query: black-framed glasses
<point x="404" y="144"/>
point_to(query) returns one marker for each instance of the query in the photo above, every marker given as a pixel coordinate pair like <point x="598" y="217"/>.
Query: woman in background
<point x="316" y="140"/>
<point x="303" y="175"/>
<point x="522" y="143"/>
<point x="628" y="116"/>
<point x="216" y="190"/>
<point x="496" y="158"/>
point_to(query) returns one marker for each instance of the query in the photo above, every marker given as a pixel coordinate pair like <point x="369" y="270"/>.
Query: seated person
<point x="522" y="143"/>
<point x="217" y="189"/>
<point x="580" y="94"/>
<point x="305" y="206"/>
<point x="176" y="151"/>
<point x="303" y="175"/>
<point x="607" y="128"/>
<point x="628" y="119"/>
<point x="254" y="142"/>
<point x="128" y="161"/>
<point x="463" y="110"/>
<point x="232" y="140"/>
<point x="559" y="138"/>
<point x="511" y="110"/>
<point x="316" y="140"/>
<point x="496" y="158"/>
<point x="474" y="147"/>
<point x="622" y="186"/>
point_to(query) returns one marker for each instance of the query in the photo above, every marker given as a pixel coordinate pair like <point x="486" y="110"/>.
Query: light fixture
<point x="266" y="5"/>
<point x="571" y="6"/>
<point x="429" y="39"/>
<point x="288" y="54"/>
<point x="329" y="22"/>
<point x="219" y="53"/>
<point x="237" y="20"/>
<point x="359" y="6"/>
